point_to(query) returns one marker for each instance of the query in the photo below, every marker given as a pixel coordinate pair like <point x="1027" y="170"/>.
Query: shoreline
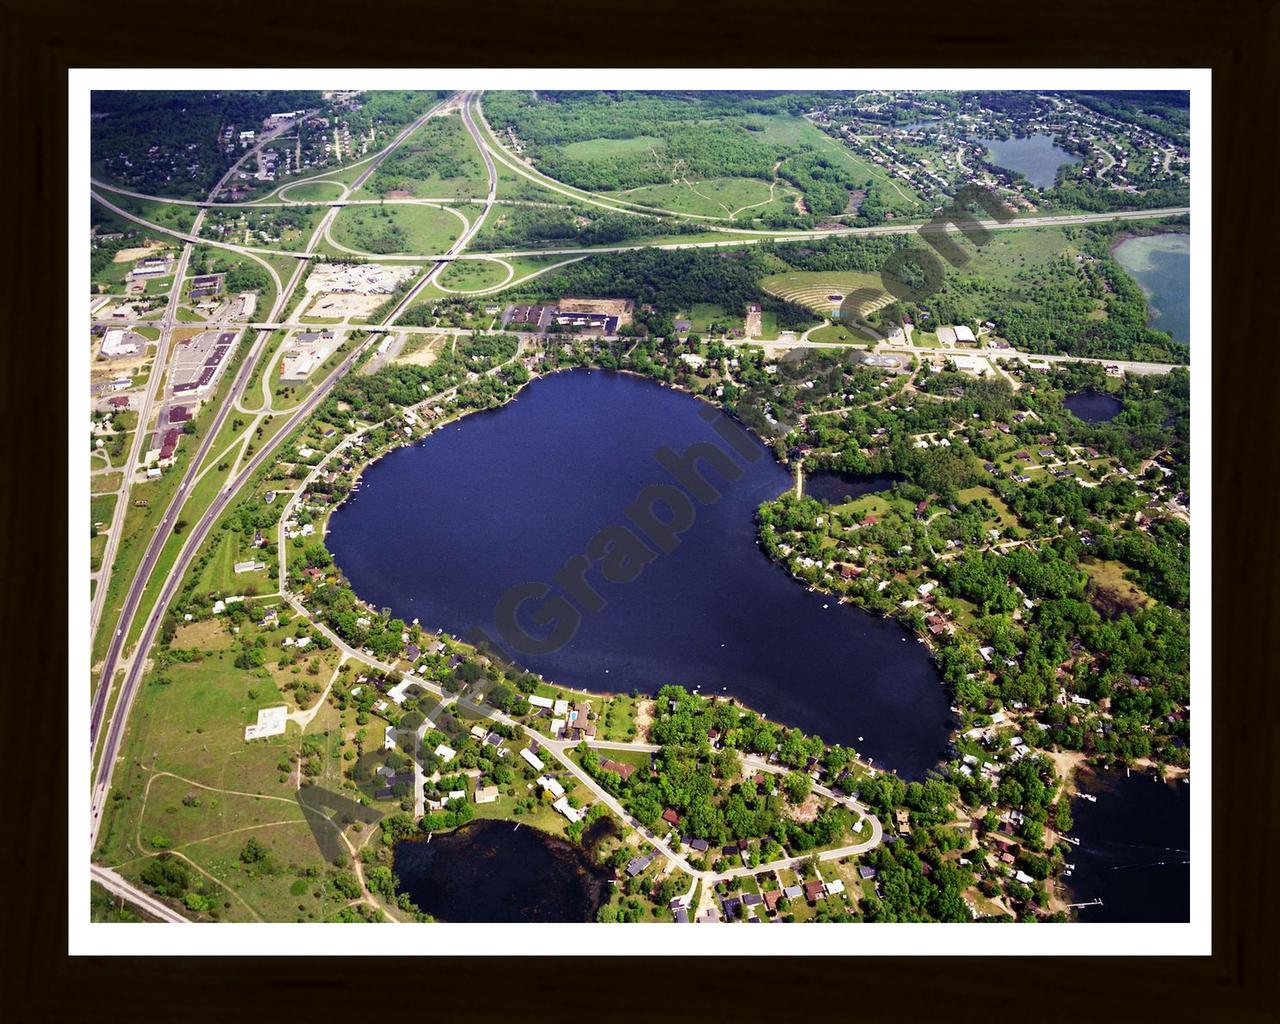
<point x="952" y="726"/>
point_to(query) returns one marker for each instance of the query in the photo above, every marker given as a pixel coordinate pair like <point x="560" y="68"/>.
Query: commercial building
<point x="118" y="343"/>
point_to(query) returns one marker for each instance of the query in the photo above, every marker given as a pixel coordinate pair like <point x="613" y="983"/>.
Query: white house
<point x="532" y="758"/>
<point x="572" y="813"/>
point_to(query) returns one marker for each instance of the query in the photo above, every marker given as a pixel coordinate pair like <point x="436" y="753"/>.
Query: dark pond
<point x="492" y="871"/>
<point x="1134" y="851"/>
<point x="1093" y="406"/>
<point x="441" y="530"/>
<point x="1161" y="264"/>
<point x="1036" y="157"/>
<point x="835" y="488"/>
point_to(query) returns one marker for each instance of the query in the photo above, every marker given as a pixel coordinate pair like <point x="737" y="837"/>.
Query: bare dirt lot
<point x="421" y="349"/>
<point x="335" y="304"/>
<point x="129" y="255"/>
<point x="621" y="308"/>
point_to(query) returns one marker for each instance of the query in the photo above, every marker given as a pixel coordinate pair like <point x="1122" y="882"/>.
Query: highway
<point x="113" y="883"/>
<point x="114" y="732"/>
<point x="135" y="449"/>
<point x="196" y="535"/>
<point x="167" y="323"/>
<point x="469" y="233"/>
<point x="161" y="535"/>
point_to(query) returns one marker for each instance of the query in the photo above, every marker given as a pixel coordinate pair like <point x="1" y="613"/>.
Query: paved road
<point x="113" y="883"/>
<point x="115" y="731"/>
<point x="998" y="355"/>
<point x="469" y="233"/>
<point x="139" y="435"/>
<point x="166" y="325"/>
<point x="196" y="535"/>
<point x="560" y="749"/>
<point x="749" y="236"/>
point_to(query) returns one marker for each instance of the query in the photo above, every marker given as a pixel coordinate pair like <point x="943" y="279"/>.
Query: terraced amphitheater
<point x="824" y="291"/>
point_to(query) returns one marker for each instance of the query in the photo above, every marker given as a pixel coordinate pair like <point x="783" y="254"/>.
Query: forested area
<point x="665" y="137"/>
<point x="167" y="143"/>
<point x="1165" y="113"/>
<point x="534" y="227"/>
<point x="440" y="151"/>
<point x="716" y="800"/>
<point x="244" y="274"/>
<point x="1074" y="191"/>
<point x="675" y="280"/>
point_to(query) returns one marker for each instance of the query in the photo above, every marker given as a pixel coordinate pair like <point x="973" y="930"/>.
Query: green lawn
<point x="604" y="149"/>
<point x="472" y="275"/>
<point x="311" y="191"/>
<point x="397" y="229"/>
<point x="841" y="334"/>
<point x="219" y="575"/>
<point x="1113" y="576"/>
<point x="703" y="314"/>
<point x="438" y="161"/>
<point x="726" y="198"/>
<point x="617" y="720"/>
<point x="173" y="216"/>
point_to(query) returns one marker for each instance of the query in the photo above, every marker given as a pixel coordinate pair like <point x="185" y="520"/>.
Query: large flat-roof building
<point x="117" y="343"/>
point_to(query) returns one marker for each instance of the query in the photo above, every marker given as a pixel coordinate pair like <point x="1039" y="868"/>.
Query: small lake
<point x="490" y="871"/>
<point x="1134" y="851"/>
<point x="440" y="530"/>
<point x="836" y="488"/>
<point x="1093" y="406"/>
<point x="1161" y="264"/>
<point x="1036" y="157"/>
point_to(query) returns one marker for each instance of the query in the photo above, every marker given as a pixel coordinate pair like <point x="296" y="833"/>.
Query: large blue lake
<point x="1161" y="264"/>
<point x="1036" y="157"/>
<point x="1134" y="851"/>
<point x="440" y="530"/>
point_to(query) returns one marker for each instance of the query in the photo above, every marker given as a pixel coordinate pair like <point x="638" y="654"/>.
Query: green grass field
<point x="1004" y="518"/>
<point x="471" y="275"/>
<point x="219" y="575"/>
<point x="397" y="229"/>
<point x="173" y="216"/>
<point x="703" y="314"/>
<point x="311" y="191"/>
<point x="438" y="161"/>
<point x="728" y="198"/>
<point x="1008" y="255"/>
<point x="1112" y="576"/>
<point x="840" y="334"/>
<point x="603" y="149"/>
